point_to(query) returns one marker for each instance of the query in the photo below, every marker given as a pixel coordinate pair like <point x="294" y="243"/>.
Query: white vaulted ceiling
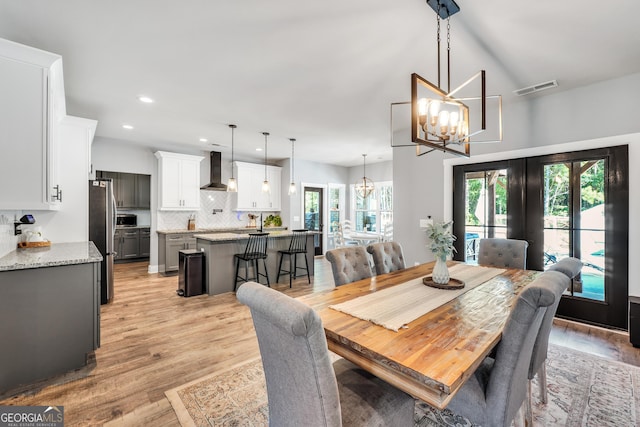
<point x="322" y="72"/>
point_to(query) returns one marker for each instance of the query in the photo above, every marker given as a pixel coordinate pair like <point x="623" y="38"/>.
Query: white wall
<point x="604" y="111"/>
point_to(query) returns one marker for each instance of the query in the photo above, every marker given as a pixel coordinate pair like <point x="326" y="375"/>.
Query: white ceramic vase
<point x="440" y="273"/>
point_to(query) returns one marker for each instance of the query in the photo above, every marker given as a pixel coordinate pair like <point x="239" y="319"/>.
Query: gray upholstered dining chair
<point x="349" y="264"/>
<point x="303" y="388"/>
<point x="569" y="266"/>
<point x="495" y="392"/>
<point x="559" y="280"/>
<point x="387" y="257"/>
<point x="505" y="253"/>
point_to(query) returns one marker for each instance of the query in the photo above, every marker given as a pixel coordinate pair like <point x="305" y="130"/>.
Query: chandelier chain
<point x="449" y="54"/>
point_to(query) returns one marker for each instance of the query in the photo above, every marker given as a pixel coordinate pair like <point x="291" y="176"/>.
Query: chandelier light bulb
<point x="453" y="122"/>
<point x="422" y="106"/>
<point x="266" y="188"/>
<point x="434" y="109"/>
<point x="292" y="189"/>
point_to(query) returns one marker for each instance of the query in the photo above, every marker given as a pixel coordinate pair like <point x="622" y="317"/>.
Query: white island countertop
<point x="51" y="256"/>
<point x="228" y="237"/>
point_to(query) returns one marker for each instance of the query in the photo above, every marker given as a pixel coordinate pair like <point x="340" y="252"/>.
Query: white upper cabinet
<point x="250" y="177"/>
<point x="178" y="181"/>
<point x="31" y="108"/>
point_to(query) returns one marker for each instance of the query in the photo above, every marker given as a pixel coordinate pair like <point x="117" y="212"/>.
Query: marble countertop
<point x="223" y="237"/>
<point x="51" y="256"/>
<point x="218" y="230"/>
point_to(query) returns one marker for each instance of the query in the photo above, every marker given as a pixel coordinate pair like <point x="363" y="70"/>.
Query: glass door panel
<point x="485" y="209"/>
<point x="574" y="222"/>
<point x="313" y="215"/>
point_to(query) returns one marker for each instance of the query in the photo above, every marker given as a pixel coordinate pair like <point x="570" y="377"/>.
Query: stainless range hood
<point x="215" y="178"/>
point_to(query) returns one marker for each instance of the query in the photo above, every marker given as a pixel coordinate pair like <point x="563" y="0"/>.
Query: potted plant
<point x="442" y="247"/>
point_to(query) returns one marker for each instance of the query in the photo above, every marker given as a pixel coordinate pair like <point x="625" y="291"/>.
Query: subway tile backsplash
<point x="205" y="218"/>
<point x="8" y="241"/>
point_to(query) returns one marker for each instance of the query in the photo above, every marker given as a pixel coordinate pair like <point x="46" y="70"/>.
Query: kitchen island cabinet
<point x="170" y="242"/>
<point x="49" y="311"/>
<point x="220" y="263"/>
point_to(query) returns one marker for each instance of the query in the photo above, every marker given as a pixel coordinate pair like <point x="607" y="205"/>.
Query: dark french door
<point x="578" y="205"/>
<point x="570" y="204"/>
<point x="313" y="210"/>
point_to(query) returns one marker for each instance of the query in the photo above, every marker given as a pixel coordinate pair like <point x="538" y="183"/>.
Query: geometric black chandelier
<point x="449" y="121"/>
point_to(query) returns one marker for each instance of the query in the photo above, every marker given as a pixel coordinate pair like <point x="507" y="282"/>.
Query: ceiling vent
<point x="536" y="88"/>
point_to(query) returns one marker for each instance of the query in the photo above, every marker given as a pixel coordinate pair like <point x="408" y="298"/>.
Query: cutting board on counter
<point x="43" y="244"/>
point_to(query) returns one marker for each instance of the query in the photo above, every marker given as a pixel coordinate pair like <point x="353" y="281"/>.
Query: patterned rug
<point x="584" y="390"/>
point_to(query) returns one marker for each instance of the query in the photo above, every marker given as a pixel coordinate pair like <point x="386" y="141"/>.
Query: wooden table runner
<point x="395" y="307"/>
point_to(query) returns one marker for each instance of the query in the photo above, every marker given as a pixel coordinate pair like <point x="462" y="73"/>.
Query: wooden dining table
<point x="435" y="354"/>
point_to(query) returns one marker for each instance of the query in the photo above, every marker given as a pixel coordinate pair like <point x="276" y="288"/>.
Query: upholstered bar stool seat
<point x="255" y="250"/>
<point x="297" y="246"/>
<point x="349" y="264"/>
<point x="387" y="257"/>
<point x="503" y="253"/>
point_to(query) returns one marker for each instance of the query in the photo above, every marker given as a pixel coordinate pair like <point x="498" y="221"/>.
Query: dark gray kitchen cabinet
<point x="131" y="190"/>
<point x="169" y="246"/>
<point x="127" y="244"/>
<point x="49" y="321"/>
<point x="130" y="244"/>
<point x="145" y="242"/>
<point x="143" y="191"/>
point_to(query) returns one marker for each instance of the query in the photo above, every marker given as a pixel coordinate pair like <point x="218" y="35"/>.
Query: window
<point x="375" y="212"/>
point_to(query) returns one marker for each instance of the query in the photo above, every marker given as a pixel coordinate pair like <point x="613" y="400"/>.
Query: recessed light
<point x="258" y="149"/>
<point x="204" y="140"/>
<point x="145" y="99"/>
<point x="128" y="127"/>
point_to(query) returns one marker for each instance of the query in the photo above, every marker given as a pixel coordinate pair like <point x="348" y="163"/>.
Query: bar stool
<point x="297" y="246"/>
<point x="256" y="250"/>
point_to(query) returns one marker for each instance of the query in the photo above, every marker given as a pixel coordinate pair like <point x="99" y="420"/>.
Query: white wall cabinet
<point x="250" y="177"/>
<point x="178" y="181"/>
<point x="31" y="107"/>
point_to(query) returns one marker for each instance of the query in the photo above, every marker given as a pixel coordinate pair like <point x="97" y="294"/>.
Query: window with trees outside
<point x="375" y="212"/>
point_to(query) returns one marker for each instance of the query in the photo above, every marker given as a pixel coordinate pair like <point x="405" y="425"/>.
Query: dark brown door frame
<point x="524" y="202"/>
<point x="318" y="239"/>
<point x="613" y="312"/>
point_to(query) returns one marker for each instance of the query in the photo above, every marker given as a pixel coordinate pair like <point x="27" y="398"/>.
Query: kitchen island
<point x="219" y="249"/>
<point x="49" y="311"/>
<point x="172" y="241"/>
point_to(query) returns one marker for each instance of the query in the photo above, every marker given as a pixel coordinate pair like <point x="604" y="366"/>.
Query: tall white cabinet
<point x="31" y="108"/>
<point x="250" y="177"/>
<point x="178" y="181"/>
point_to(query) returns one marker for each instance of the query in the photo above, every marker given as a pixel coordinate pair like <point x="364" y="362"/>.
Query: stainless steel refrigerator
<point x="102" y="228"/>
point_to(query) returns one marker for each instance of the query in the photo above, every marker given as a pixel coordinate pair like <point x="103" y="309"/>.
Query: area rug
<point x="584" y="390"/>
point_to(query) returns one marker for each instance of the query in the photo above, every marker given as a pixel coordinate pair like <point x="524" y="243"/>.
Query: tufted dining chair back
<point x="387" y="257"/>
<point x="494" y="393"/>
<point x="504" y="253"/>
<point x="557" y="283"/>
<point x="349" y="264"/>
<point x="303" y="387"/>
<point x="569" y="266"/>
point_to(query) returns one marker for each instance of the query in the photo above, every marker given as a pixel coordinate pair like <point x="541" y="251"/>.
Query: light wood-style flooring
<point x="153" y="340"/>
